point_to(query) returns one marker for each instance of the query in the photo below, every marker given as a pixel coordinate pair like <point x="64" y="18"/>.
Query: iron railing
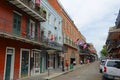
<point x="6" y="29"/>
<point x="30" y="8"/>
<point x="50" y="43"/>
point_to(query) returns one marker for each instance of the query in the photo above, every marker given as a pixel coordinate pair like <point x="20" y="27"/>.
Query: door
<point x="24" y="63"/>
<point x="37" y="62"/>
<point x="16" y="24"/>
<point x="9" y="66"/>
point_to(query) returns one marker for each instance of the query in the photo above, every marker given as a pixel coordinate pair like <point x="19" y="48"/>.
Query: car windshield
<point x="114" y="64"/>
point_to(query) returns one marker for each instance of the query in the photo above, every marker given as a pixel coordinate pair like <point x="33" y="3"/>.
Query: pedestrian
<point x="81" y="62"/>
<point x="88" y="61"/>
<point x="66" y="64"/>
<point x="74" y="62"/>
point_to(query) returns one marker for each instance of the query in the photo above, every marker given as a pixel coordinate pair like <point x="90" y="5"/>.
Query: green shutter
<point x="16" y="24"/>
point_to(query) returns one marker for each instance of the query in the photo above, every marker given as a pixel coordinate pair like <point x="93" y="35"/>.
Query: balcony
<point x="71" y="44"/>
<point x="6" y="30"/>
<point x="51" y="44"/>
<point x="30" y="8"/>
<point x="111" y="47"/>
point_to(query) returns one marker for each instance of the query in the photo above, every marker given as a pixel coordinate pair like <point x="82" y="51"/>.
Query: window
<point x="24" y="63"/>
<point x="32" y="29"/>
<point x="114" y="64"/>
<point x="59" y="25"/>
<point x="49" y="18"/>
<point x="55" y="22"/>
<point x="49" y="32"/>
<point x="103" y="62"/>
<point x="59" y="38"/>
<point x="56" y="38"/>
<point x="16" y="23"/>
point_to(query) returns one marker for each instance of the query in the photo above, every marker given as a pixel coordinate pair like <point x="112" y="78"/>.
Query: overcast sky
<point x="93" y="18"/>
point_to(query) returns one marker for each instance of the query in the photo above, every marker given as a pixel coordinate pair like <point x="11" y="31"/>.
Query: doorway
<point x="25" y="63"/>
<point x="9" y="64"/>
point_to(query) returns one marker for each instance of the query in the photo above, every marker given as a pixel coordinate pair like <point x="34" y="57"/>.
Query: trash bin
<point x="71" y="66"/>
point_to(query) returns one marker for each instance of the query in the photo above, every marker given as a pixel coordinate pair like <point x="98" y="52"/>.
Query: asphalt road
<point x="88" y="72"/>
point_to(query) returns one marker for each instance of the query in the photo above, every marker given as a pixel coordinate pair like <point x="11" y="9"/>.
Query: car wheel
<point x="104" y="78"/>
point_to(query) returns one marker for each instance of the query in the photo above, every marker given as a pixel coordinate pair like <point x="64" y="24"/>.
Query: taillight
<point x="105" y="69"/>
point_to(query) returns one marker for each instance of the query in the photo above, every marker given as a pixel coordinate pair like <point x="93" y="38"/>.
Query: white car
<point x="102" y="63"/>
<point x="112" y="69"/>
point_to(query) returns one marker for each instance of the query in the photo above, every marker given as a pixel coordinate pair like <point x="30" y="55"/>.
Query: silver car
<point x="112" y="69"/>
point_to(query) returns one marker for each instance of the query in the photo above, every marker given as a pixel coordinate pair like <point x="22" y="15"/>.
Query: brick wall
<point x="14" y="44"/>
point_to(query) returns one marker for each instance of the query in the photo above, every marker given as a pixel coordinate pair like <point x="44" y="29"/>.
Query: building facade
<point x="69" y="31"/>
<point x="20" y="38"/>
<point x="113" y="39"/>
<point x="51" y="32"/>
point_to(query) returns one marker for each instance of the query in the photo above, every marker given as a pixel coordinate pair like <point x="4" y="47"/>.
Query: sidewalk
<point x="58" y="73"/>
<point x="52" y="73"/>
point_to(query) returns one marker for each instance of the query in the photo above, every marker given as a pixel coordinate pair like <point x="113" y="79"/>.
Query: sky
<point x="93" y="18"/>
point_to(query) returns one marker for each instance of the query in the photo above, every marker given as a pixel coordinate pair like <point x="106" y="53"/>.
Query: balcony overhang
<point x="115" y="30"/>
<point x="28" y="10"/>
<point x="23" y="39"/>
<point x="114" y="34"/>
<point x="70" y="45"/>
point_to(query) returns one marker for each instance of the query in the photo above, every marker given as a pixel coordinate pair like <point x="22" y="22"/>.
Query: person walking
<point x="66" y="64"/>
<point x="81" y="62"/>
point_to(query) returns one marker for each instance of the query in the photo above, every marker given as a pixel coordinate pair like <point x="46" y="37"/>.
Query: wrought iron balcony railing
<point x="6" y="30"/>
<point x="50" y="43"/>
<point x="67" y="42"/>
<point x="30" y="8"/>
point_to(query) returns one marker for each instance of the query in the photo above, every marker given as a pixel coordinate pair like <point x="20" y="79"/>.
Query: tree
<point x="104" y="51"/>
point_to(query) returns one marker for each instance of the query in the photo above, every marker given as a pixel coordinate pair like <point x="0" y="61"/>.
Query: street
<point x="87" y="72"/>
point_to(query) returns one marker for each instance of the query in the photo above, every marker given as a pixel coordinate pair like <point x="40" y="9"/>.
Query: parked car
<point x="102" y="63"/>
<point x="112" y="69"/>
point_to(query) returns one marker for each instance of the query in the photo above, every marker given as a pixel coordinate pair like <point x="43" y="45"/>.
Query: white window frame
<point x="33" y="29"/>
<point x="12" y="62"/>
<point x="23" y="49"/>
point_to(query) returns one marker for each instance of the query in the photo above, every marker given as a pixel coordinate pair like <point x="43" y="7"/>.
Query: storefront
<point x="35" y="62"/>
<point x="24" y="63"/>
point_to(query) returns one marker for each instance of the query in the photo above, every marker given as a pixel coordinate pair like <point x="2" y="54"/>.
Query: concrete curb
<point x="59" y="74"/>
<point x="53" y="76"/>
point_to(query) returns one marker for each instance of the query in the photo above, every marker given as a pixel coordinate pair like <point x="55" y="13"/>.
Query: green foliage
<point x="104" y="51"/>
